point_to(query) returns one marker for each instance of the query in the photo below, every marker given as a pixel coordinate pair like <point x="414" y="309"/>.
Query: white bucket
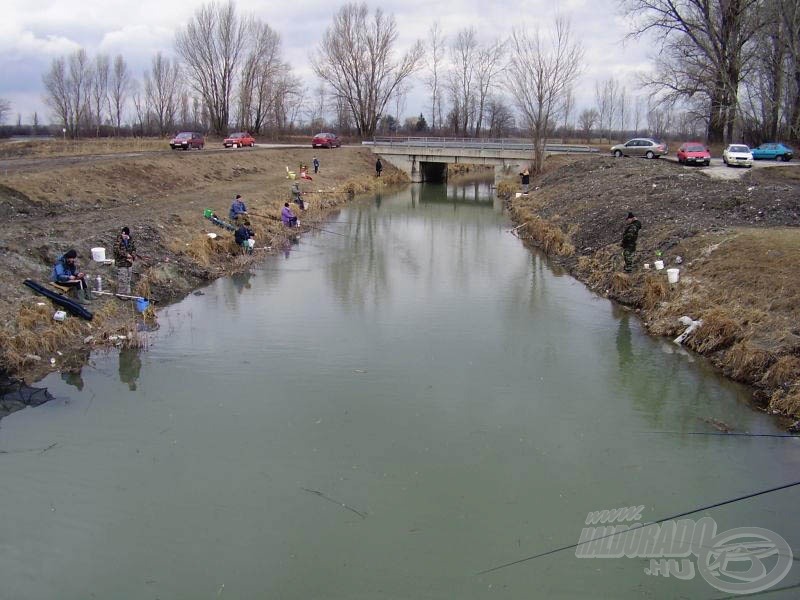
<point x="98" y="254"/>
<point x="672" y="275"/>
<point x="659" y="264"/>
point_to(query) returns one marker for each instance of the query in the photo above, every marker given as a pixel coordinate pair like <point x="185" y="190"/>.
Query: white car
<point x="737" y="155"/>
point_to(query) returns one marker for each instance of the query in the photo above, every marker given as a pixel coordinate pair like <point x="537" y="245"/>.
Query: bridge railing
<point x="475" y="144"/>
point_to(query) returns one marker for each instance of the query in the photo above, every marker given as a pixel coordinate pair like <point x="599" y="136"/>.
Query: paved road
<point x="720" y="170"/>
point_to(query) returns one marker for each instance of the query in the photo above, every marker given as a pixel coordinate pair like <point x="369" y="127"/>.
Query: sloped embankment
<point x="736" y="243"/>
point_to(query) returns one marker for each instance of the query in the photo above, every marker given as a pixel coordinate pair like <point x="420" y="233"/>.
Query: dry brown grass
<point x="784" y="371"/>
<point x="60" y="147"/>
<point x="620" y="283"/>
<point x="656" y="291"/>
<point x="548" y="237"/>
<point x="718" y="331"/>
<point x="745" y="362"/>
<point x="505" y="189"/>
<point x="786" y="402"/>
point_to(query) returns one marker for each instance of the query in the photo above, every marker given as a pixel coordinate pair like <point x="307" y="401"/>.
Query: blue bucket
<point x="141" y="305"/>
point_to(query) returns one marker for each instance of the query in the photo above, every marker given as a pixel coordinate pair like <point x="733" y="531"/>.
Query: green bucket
<point x="207" y="213"/>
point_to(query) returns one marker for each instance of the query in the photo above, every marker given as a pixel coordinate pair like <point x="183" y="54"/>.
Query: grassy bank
<point x="62" y="204"/>
<point x="736" y="243"/>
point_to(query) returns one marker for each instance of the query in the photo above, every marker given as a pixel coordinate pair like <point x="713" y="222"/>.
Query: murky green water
<point x="379" y="414"/>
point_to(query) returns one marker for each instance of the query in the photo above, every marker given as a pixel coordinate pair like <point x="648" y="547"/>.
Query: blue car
<point x="773" y="151"/>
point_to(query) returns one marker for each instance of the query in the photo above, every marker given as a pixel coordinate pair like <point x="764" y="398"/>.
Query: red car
<point x="240" y="139"/>
<point x="186" y="140"/>
<point x="694" y="153"/>
<point x="326" y="140"/>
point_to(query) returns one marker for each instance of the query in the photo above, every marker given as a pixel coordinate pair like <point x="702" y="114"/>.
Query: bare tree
<point x="141" y="109"/>
<point x="567" y="104"/>
<point x="57" y="95"/>
<point x="764" y="86"/>
<point x="638" y="106"/>
<point x="489" y="67"/>
<point x="539" y="71"/>
<point x="499" y="116"/>
<point x="587" y="119"/>
<point x="607" y="96"/>
<point x="5" y="108"/>
<point x="262" y="69"/>
<point x="356" y="59"/>
<point x="211" y="47"/>
<point x="120" y="88"/>
<point x="399" y="96"/>
<point x="316" y="113"/>
<point x="659" y="119"/>
<point x="623" y="111"/>
<point x="703" y="51"/>
<point x="461" y="79"/>
<point x="67" y="86"/>
<point x="433" y="81"/>
<point x="161" y="86"/>
<point x="790" y="15"/>
<point x="99" y="89"/>
<point x="79" y="82"/>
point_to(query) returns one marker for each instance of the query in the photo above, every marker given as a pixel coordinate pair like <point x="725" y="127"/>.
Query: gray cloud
<point x="31" y="36"/>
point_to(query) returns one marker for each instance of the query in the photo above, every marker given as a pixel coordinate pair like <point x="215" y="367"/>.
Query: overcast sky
<point x="33" y="32"/>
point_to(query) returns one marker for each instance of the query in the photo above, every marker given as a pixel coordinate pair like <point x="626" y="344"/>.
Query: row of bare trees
<point x="228" y="73"/>
<point x="735" y="64"/>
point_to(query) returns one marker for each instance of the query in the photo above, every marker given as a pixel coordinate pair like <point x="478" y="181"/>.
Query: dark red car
<point x="694" y="153"/>
<point x="240" y="139"/>
<point x="186" y="140"/>
<point x="326" y="140"/>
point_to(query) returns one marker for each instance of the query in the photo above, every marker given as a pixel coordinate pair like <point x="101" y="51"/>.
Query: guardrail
<point x="474" y="144"/>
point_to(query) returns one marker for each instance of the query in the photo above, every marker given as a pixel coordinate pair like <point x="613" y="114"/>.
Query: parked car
<point x="187" y="140"/>
<point x="326" y="140"/>
<point x="773" y="151"/>
<point x="694" y="153"/>
<point x="737" y="155"/>
<point x="646" y="147"/>
<point x="240" y="139"/>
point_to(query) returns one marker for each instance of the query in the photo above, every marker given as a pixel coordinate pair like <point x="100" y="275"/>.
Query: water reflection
<point x="73" y="377"/>
<point x="130" y="364"/>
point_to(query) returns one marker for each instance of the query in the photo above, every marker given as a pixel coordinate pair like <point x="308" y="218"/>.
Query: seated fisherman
<point x="65" y="273"/>
<point x="287" y="216"/>
<point x="238" y="209"/>
<point x="243" y="235"/>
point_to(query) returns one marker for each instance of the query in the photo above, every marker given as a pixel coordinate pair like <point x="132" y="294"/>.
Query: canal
<point x="382" y="411"/>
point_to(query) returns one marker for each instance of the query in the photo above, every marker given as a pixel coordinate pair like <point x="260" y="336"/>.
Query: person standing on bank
<point x="378" y="167"/>
<point x="315" y="162"/>
<point x="525" y="176"/>
<point x="124" y="254"/>
<point x="629" y="237"/>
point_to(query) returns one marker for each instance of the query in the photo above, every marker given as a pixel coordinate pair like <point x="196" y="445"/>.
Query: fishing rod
<point x="124" y="296"/>
<point x="325" y="230"/>
<point x="670" y="518"/>
<point x="772" y="435"/>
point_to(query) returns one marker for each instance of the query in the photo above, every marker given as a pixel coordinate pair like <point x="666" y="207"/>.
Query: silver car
<point x="647" y="147"/>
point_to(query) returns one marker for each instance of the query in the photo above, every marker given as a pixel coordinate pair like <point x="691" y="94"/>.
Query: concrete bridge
<point x="426" y="158"/>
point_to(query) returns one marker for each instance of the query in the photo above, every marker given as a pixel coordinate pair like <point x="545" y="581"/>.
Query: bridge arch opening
<point x="433" y="172"/>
